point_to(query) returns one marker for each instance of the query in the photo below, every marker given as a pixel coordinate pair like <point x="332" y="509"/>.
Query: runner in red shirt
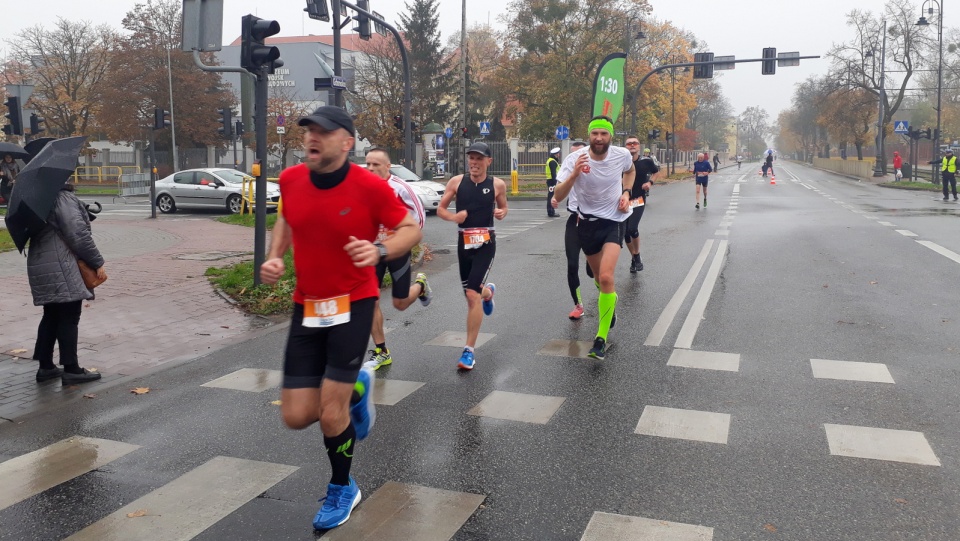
<point x="331" y="214"/>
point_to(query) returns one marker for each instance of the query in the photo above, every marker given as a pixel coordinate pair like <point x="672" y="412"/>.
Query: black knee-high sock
<point x="340" y="453"/>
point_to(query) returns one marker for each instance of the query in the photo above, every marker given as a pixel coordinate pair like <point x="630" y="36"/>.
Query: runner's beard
<point x="599" y="149"/>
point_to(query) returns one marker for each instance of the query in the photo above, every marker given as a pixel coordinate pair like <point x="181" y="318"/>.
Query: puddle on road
<point x="913" y="213"/>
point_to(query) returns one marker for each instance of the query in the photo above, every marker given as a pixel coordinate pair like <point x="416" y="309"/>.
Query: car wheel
<point x="166" y="204"/>
<point x="234" y="204"/>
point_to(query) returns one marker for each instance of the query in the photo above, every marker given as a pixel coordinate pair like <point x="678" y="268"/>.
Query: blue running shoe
<point x="337" y="505"/>
<point x="364" y="413"/>
<point x="467" y="360"/>
<point x="488" y="304"/>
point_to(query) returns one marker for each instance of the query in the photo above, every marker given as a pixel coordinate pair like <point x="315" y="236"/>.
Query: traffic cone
<point x="773" y="179"/>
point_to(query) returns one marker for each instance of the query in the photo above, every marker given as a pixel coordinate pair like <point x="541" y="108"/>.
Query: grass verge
<point x="97" y="190"/>
<point x="906" y="185"/>
<point x="6" y="243"/>
<point x="247" y="220"/>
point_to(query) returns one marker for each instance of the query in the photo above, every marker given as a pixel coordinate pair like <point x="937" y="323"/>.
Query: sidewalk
<point x="156" y="306"/>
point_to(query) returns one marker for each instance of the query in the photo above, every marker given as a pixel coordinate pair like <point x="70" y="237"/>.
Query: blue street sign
<point x="448" y="132"/>
<point x="281" y="120"/>
<point x="562" y="132"/>
<point x="901" y="126"/>
<point x="338" y="82"/>
<point x="484" y="128"/>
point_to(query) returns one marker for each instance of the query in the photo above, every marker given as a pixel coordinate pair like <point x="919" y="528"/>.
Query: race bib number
<point x="638" y="202"/>
<point x="475" y="237"/>
<point x="385" y="234"/>
<point x="326" y="312"/>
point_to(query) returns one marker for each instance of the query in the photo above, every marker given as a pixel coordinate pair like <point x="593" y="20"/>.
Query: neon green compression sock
<point x="607" y="304"/>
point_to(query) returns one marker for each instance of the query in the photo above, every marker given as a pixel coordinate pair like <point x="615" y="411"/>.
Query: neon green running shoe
<point x="379" y="357"/>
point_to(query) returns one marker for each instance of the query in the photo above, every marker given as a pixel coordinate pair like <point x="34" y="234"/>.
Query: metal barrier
<point x="247" y="196"/>
<point x="134" y="184"/>
<point x="108" y="174"/>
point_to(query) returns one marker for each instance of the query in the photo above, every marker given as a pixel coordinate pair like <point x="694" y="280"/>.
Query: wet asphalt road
<point x="809" y="270"/>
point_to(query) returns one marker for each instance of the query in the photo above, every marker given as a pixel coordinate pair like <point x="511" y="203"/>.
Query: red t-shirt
<point x="322" y="220"/>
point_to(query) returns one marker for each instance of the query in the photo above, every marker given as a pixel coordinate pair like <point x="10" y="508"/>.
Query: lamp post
<point x="173" y="130"/>
<point x="882" y="98"/>
<point x="923" y="22"/>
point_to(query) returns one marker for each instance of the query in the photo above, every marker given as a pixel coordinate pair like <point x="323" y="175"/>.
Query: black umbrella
<point x="35" y="146"/>
<point x="16" y="151"/>
<point x="38" y="184"/>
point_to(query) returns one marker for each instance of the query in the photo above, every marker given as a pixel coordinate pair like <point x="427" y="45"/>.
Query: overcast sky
<point x="734" y="27"/>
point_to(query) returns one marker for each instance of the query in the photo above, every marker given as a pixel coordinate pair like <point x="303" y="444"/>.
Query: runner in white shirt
<point x="601" y="178"/>
<point x="378" y="161"/>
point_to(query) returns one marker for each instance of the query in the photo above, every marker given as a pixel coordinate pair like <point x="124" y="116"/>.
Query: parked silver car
<point x="428" y="191"/>
<point x="210" y="188"/>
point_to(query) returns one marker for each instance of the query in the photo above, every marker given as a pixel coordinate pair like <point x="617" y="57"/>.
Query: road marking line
<point x="684" y="424"/>
<point x="692" y="323"/>
<point x="191" y="503"/>
<point x="880" y="444"/>
<point x="850" y="371"/>
<point x="666" y="318"/>
<point x="949" y="254"/>
<point x="805" y="186"/>
<point x="906" y="233"/>
<point x="606" y="526"/>
<point x="888" y="224"/>
<point x="705" y="360"/>
<point x="28" y="475"/>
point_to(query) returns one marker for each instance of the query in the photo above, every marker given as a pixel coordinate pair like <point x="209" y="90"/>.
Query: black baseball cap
<point x="329" y="118"/>
<point x="480" y="148"/>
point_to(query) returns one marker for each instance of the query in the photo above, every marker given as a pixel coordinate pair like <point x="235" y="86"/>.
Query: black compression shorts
<point x="633" y="224"/>
<point x="334" y="353"/>
<point x="399" y="274"/>
<point x="475" y="263"/>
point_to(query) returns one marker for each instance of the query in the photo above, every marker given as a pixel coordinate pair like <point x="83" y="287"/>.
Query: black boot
<point x="83" y="376"/>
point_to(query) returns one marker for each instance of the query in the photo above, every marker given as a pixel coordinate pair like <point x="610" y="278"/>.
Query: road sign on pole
<point x="901" y="126"/>
<point x="484" y="128"/>
<point x="562" y="132"/>
<point x="281" y="130"/>
<point x="281" y="120"/>
<point x="448" y="132"/>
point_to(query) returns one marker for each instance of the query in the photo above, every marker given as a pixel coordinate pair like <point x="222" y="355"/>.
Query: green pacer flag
<point x="608" y="87"/>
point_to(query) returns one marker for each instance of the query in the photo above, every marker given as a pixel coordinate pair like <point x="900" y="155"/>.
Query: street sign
<point x="281" y="130"/>
<point x="281" y="120"/>
<point x="484" y="128"/>
<point x="729" y="66"/>
<point x="338" y="82"/>
<point x="786" y="60"/>
<point x="448" y="132"/>
<point x="901" y="126"/>
<point x="562" y="132"/>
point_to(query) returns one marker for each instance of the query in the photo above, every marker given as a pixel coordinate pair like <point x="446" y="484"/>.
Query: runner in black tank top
<point x="477" y="204"/>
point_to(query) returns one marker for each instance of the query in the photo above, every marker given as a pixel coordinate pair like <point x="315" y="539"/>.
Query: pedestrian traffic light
<point x="704" y="71"/>
<point x="238" y="129"/>
<point x="363" y="21"/>
<point x="35" y="121"/>
<point x="926" y="133"/>
<point x="669" y="136"/>
<point x="398" y="122"/>
<point x="226" y="121"/>
<point x="13" y="117"/>
<point x="254" y="54"/>
<point x="161" y="119"/>
<point x="769" y="66"/>
<point x="317" y="10"/>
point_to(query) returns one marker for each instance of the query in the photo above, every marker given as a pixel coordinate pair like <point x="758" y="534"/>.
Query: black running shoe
<point x="639" y="263"/>
<point x="599" y="349"/>
<point x="633" y="265"/>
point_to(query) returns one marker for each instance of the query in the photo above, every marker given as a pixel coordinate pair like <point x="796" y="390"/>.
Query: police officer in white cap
<point x="553" y="165"/>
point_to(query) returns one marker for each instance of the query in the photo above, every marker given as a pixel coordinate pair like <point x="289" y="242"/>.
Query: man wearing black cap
<point x="553" y="164"/>
<point x="479" y="199"/>
<point x="331" y="212"/>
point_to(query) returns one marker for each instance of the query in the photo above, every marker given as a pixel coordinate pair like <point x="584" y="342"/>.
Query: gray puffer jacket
<point x="52" y="256"/>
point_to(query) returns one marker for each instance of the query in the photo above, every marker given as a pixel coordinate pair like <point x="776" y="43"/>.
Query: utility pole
<point x="337" y="56"/>
<point x="463" y="81"/>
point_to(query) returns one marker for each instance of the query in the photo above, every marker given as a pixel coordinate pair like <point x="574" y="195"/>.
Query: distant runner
<point x="646" y="167"/>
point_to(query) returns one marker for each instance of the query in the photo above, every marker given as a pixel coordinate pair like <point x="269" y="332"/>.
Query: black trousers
<point x="571" y="245"/>
<point x="60" y="324"/>
<point x="951" y="179"/>
<point x="551" y="185"/>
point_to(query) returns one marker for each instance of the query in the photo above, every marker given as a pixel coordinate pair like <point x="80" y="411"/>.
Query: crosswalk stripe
<point x="191" y="503"/>
<point x="30" y="474"/>
<point x="604" y="526"/>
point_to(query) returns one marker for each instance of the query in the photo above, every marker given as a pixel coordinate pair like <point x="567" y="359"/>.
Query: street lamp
<point x="173" y="131"/>
<point x="881" y="97"/>
<point x="923" y="22"/>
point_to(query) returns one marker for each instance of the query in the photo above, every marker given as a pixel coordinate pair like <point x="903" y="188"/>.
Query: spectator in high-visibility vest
<point x="949" y="168"/>
<point x="553" y="164"/>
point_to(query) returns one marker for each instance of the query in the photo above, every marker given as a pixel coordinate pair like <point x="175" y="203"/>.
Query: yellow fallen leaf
<point x="18" y="351"/>
<point x="140" y="390"/>
<point x="137" y="513"/>
<point x="90" y="395"/>
<point x="901" y="500"/>
<point x="91" y="369"/>
<point x="275" y="402"/>
<point x="770" y="528"/>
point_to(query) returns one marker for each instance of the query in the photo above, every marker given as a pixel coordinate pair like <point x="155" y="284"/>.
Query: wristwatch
<point x="383" y="251"/>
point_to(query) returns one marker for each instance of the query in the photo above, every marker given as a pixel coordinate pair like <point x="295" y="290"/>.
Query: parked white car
<point x="207" y="188"/>
<point x="428" y="191"/>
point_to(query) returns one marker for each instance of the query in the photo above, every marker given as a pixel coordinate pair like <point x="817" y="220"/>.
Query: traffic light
<point x="363" y="21"/>
<point x="35" y="121"/>
<point x="161" y="119"/>
<point x="669" y="136"/>
<point x="926" y="133"/>
<point x="414" y="126"/>
<point x="254" y="55"/>
<point x="398" y="122"/>
<point x="769" y="66"/>
<point x="226" y="121"/>
<point x="464" y="132"/>
<point x="703" y="72"/>
<point x="317" y="10"/>
<point x="238" y="129"/>
<point x="13" y="117"/>
<point x="654" y="135"/>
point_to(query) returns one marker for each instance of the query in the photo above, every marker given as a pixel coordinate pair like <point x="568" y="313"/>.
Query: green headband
<point x="601" y="124"/>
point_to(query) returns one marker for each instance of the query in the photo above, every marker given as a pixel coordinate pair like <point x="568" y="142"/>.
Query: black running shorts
<point x="594" y="234"/>
<point x="475" y="264"/>
<point x="334" y="353"/>
<point x="399" y="273"/>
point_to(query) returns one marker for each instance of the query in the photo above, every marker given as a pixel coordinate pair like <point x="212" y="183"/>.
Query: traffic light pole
<point x="260" y="222"/>
<point x="153" y="178"/>
<point x="636" y="93"/>
<point x="337" y="55"/>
